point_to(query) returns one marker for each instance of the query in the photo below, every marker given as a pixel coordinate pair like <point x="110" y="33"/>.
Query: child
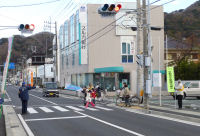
<point x="88" y="99"/>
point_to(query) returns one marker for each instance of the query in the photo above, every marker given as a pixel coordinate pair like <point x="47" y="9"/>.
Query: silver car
<point x="192" y="89"/>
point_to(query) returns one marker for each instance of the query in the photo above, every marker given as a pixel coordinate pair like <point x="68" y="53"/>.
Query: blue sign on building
<point x="11" y="65"/>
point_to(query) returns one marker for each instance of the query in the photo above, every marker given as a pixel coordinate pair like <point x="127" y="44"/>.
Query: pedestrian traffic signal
<point x="107" y="9"/>
<point x="26" y="27"/>
<point x="140" y="60"/>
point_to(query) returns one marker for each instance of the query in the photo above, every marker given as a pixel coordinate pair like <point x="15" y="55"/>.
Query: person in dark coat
<point x="24" y="96"/>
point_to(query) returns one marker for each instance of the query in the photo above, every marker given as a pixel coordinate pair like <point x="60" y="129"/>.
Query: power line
<point x="67" y="47"/>
<point x="100" y="29"/>
<point x="163" y="4"/>
<point x="155" y="2"/>
<point x="35" y="4"/>
<point x="67" y="5"/>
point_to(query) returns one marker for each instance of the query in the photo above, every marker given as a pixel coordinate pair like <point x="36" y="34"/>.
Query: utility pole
<point x="139" y="48"/>
<point x="145" y="52"/>
<point x="56" y="48"/>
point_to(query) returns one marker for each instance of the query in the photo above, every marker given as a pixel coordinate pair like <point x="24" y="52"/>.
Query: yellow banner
<point x="170" y="79"/>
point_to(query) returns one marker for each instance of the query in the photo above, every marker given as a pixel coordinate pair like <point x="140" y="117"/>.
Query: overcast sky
<point x="56" y="10"/>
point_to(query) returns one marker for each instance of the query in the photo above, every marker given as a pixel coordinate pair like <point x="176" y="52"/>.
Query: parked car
<point x="50" y="89"/>
<point x="191" y="89"/>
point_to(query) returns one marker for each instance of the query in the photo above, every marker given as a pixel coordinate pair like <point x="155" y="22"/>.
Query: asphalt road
<point x="65" y="116"/>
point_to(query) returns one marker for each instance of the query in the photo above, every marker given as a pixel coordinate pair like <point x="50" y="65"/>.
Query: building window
<point x="72" y="29"/>
<point x="61" y="37"/>
<point x="66" y="33"/>
<point x="194" y="56"/>
<point x="171" y="56"/>
<point x="77" y="25"/>
<point x="73" y="59"/>
<point x="127" y="57"/>
<point x="67" y="60"/>
<point x="62" y="60"/>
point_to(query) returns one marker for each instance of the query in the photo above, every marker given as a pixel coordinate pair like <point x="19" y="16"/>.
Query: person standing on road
<point x="88" y="99"/>
<point x="180" y="89"/>
<point x="24" y="96"/>
<point x="126" y="94"/>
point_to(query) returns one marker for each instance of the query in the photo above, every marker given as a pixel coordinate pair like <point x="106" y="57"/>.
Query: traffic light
<point x="107" y="9"/>
<point x="140" y="60"/>
<point x="26" y="28"/>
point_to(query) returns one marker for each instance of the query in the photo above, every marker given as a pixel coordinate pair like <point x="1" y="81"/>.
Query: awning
<point x="109" y="69"/>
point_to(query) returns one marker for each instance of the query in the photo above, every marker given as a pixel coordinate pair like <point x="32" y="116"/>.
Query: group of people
<point x="90" y="94"/>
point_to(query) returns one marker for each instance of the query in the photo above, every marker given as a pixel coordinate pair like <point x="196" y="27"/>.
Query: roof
<point x="175" y="44"/>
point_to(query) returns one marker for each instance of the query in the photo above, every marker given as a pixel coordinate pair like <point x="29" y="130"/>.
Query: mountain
<point x="184" y="24"/>
<point x="27" y="46"/>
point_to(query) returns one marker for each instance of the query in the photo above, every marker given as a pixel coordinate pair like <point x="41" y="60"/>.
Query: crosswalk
<point x="52" y="109"/>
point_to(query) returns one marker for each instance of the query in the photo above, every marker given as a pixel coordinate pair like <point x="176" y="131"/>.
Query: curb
<point x="12" y="122"/>
<point x="158" y="113"/>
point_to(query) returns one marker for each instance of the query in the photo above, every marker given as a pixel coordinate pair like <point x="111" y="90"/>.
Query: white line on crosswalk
<point x="103" y="108"/>
<point x="92" y="109"/>
<point x="74" y="108"/>
<point x="31" y="110"/>
<point x="60" y="108"/>
<point x="45" y="109"/>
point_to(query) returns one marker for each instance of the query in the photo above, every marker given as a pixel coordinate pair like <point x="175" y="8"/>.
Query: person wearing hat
<point x="24" y="96"/>
<point x="180" y="89"/>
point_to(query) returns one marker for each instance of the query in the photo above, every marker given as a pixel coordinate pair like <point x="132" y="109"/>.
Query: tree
<point x="187" y="70"/>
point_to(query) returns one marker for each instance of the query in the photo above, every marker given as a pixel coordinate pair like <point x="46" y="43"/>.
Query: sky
<point x="55" y="10"/>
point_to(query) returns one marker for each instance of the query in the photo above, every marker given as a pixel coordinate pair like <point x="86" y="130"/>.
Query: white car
<point x="192" y="89"/>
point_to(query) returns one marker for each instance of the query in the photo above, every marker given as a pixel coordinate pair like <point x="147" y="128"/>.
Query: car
<point x="50" y="89"/>
<point x="192" y="89"/>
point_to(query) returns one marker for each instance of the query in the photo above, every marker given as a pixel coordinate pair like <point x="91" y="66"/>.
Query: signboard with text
<point x="83" y="42"/>
<point x="170" y="79"/>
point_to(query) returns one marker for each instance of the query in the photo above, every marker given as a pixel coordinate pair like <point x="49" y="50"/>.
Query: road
<point x="66" y="116"/>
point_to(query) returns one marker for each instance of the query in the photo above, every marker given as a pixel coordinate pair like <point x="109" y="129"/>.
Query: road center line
<point x="43" y="99"/>
<point x="73" y="117"/>
<point x="110" y="124"/>
<point x="28" y="130"/>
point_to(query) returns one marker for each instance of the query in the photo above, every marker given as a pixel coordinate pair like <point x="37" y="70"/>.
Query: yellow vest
<point x="181" y="89"/>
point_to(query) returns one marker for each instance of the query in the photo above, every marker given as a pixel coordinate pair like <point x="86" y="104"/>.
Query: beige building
<point x="102" y="49"/>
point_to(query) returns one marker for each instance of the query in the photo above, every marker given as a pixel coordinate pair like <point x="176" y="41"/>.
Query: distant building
<point x="176" y="50"/>
<point x="33" y="67"/>
<point x="92" y="51"/>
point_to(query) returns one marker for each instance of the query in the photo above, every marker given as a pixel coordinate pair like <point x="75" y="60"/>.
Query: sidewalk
<point x="2" y="126"/>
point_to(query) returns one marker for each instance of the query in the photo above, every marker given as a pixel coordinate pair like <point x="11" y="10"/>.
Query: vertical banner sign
<point x="10" y="42"/>
<point x="31" y="79"/>
<point x="170" y="79"/>
<point x="157" y="80"/>
<point x="83" y="43"/>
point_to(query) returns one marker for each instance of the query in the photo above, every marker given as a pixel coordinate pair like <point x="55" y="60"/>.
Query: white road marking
<point x="103" y="108"/>
<point x="8" y="96"/>
<point x="31" y="110"/>
<point x="167" y="118"/>
<point x="110" y="124"/>
<point x="45" y="109"/>
<point x="28" y="130"/>
<point x="92" y="109"/>
<point x="43" y="99"/>
<point x="74" y="108"/>
<point x="60" y="108"/>
<point x="73" y="117"/>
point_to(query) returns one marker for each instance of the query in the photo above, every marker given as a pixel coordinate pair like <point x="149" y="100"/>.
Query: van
<point x="50" y="89"/>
